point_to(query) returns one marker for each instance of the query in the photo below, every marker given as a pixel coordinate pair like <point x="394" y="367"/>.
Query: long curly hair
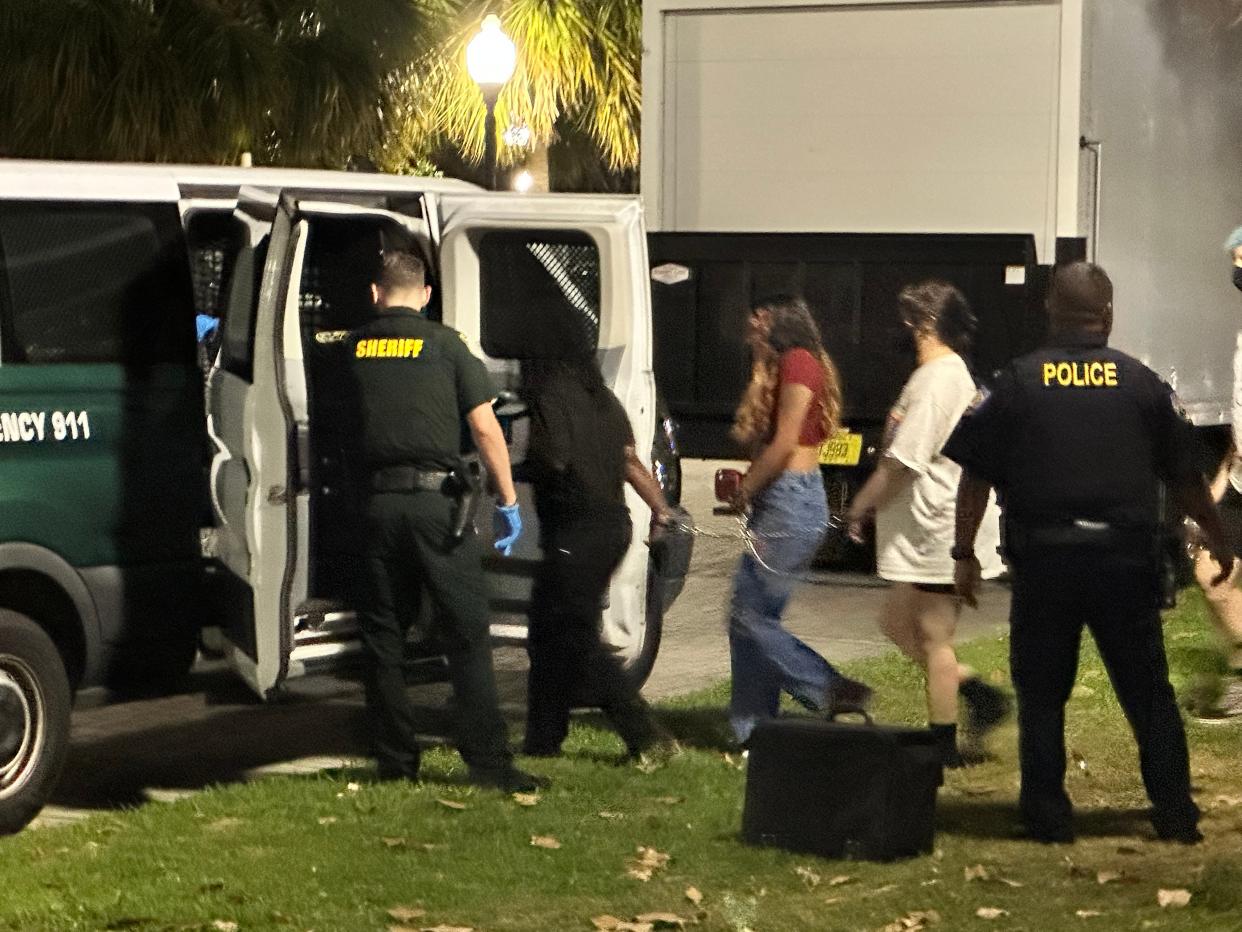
<point x="793" y="327"/>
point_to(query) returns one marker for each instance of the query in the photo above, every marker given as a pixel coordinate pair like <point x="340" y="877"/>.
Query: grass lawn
<point x="336" y="852"/>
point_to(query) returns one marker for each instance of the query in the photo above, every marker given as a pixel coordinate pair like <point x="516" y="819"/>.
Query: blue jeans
<point x="789" y="519"/>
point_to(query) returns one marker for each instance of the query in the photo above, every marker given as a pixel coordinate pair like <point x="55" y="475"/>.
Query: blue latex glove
<point x="206" y="326"/>
<point x="507" y="526"/>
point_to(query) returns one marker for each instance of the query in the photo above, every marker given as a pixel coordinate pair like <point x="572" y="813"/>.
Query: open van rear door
<point x="282" y="540"/>
<point x="251" y="425"/>
<point x="521" y="276"/>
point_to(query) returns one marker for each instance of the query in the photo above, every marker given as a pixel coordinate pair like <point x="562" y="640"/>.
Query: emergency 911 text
<point x="37" y="426"/>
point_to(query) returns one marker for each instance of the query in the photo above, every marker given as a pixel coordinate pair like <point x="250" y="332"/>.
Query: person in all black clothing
<point x="581" y="454"/>
<point x="1077" y="439"/>
<point x="415" y="383"/>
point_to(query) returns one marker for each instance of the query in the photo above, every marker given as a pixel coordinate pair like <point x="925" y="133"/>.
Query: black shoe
<point x="847" y="696"/>
<point x="391" y="773"/>
<point x="1048" y="834"/>
<point x="986" y="706"/>
<point x="541" y="750"/>
<point x="1188" y="834"/>
<point x="508" y="780"/>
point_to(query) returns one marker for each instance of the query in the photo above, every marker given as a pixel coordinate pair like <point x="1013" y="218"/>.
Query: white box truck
<point x="1113" y="123"/>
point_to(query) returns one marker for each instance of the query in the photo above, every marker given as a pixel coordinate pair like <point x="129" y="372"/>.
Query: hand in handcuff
<point x="856" y="523"/>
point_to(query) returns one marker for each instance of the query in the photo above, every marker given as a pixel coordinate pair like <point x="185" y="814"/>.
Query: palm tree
<point x="576" y="85"/>
<point x="295" y="81"/>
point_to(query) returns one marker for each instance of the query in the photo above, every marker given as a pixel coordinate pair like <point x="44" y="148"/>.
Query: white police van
<point x="162" y="515"/>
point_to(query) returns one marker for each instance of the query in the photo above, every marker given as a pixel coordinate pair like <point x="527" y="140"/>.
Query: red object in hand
<point x="728" y="483"/>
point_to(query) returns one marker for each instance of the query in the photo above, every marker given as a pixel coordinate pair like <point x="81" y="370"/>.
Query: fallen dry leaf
<point x="694" y="895"/>
<point x="977" y="872"/>
<point x="394" y="842"/>
<point x="326" y="820"/>
<point x="808" y="877"/>
<point x="913" y="922"/>
<point x="451" y="804"/>
<point x="1104" y="877"/>
<point x="662" y="920"/>
<point x="610" y="815"/>
<point x="443" y="928"/>
<point x="545" y="841"/>
<point x="1011" y="883"/>
<point x="1174" y="898"/>
<point x="840" y="879"/>
<point x="1088" y="913"/>
<point x="669" y="800"/>
<point x="976" y="790"/>
<point x="649" y="861"/>
<point x="613" y="924"/>
<point x="888" y="888"/>
<point x="526" y="799"/>
<point x="990" y="912"/>
<point x="406" y="913"/>
<point x="224" y="925"/>
<point x="833" y="900"/>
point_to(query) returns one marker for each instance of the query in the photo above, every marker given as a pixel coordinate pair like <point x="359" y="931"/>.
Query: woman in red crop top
<point x="792" y="404"/>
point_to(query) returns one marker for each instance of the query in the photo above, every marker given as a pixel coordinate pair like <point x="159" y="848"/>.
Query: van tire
<point x="642" y="663"/>
<point x="35" y="688"/>
<point x="637" y="668"/>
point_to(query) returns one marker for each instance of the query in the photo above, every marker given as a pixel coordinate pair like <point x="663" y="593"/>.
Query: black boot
<point x="986" y="707"/>
<point x="946" y="742"/>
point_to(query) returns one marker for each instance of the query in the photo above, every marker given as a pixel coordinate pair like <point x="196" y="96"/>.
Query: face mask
<point x="1237" y="277"/>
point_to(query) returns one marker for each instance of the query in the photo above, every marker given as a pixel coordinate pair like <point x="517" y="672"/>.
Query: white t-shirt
<point x="914" y="531"/>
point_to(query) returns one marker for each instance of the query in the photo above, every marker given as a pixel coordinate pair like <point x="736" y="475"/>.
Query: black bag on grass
<point x="842" y="790"/>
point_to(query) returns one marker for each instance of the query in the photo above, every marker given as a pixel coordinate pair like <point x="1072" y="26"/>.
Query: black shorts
<point x="935" y="588"/>
<point x="1230" y="508"/>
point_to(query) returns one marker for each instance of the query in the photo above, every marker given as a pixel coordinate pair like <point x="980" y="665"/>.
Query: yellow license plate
<point x="845" y="449"/>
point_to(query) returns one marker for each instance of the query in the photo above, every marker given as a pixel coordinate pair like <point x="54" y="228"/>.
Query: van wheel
<point x="643" y="662"/>
<point x="640" y="664"/>
<point x="34" y="719"/>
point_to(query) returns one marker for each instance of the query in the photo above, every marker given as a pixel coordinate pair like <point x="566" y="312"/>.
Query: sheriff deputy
<point x="415" y="383"/>
<point x="1077" y="439"/>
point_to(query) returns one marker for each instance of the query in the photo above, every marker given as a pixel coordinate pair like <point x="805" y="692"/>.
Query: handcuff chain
<point x="750" y="538"/>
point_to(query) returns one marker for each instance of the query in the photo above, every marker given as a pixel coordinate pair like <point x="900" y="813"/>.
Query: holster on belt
<point x="466" y="487"/>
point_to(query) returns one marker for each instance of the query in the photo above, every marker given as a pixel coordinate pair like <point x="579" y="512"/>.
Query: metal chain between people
<point x="750" y="537"/>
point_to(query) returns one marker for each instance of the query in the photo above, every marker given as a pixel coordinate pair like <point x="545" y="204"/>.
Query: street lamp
<point x="490" y="60"/>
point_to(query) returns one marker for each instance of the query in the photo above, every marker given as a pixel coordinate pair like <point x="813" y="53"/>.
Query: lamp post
<point x="490" y="60"/>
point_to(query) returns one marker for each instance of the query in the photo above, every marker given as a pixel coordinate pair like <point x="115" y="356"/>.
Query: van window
<point x="94" y="282"/>
<point x="540" y="293"/>
<point x="215" y="238"/>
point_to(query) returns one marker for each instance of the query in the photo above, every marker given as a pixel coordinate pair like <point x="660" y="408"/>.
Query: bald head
<point x="1080" y="299"/>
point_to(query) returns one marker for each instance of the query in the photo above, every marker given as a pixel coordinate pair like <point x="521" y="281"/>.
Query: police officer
<point x="415" y="383"/>
<point x="1077" y="439"/>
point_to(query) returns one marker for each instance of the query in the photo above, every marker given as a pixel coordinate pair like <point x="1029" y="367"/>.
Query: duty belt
<point x="1082" y="532"/>
<point x="409" y="479"/>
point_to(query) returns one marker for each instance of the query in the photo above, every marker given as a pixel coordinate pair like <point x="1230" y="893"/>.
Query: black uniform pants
<point x="408" y="555"/>
<point x="1058" y="591"/>
<point x="564" y="640"/>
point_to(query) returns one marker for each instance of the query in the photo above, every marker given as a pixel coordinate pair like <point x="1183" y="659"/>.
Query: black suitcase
<point x="842" y="790"/>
